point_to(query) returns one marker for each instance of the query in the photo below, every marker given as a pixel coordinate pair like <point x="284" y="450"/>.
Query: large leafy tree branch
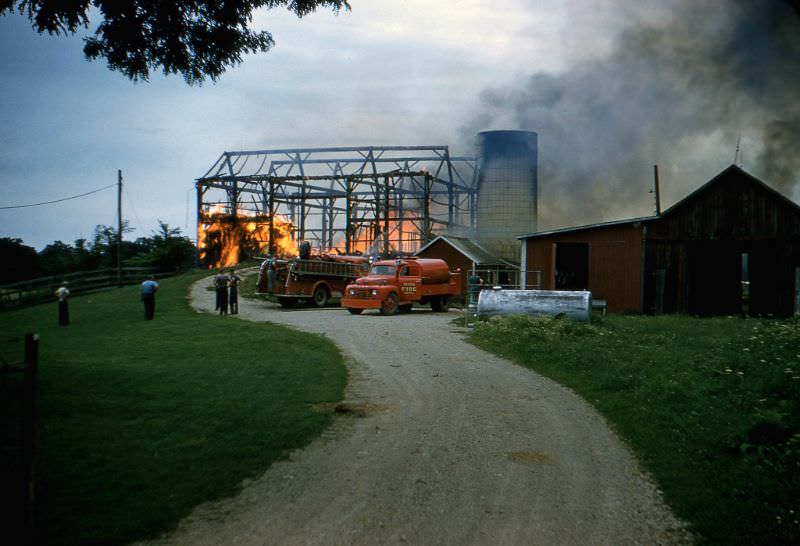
<point x="194" y="38"/>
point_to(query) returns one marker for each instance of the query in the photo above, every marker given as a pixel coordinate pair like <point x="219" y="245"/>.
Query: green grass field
<point x="711" y="406"/>
<point x="139" y="421"/>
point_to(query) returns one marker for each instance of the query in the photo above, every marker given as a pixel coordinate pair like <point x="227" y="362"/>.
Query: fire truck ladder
<point x="322" y="268"/>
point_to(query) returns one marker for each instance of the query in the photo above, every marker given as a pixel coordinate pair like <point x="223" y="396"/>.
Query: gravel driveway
<point x="447" y="445"/>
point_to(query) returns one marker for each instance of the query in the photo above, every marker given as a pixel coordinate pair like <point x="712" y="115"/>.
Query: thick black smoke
<point x="679" y="94"/>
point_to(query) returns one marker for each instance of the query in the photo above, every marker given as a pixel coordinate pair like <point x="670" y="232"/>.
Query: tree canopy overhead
<point x="194" y="38"/>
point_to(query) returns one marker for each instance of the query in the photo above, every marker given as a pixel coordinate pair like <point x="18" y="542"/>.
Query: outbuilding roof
<point x="586" y="227"/>
<point x="469" y="248"/>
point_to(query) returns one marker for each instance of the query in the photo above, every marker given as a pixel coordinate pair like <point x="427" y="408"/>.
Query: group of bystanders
<point x="147" y="290"/>
<point x="227" y="289"/>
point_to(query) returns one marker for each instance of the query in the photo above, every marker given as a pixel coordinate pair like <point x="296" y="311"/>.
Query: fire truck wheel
<point x="440" y="304"/>
<point x="321" y="296"/>
<point x="389" y="306"/>
<point x="354" y="311"/>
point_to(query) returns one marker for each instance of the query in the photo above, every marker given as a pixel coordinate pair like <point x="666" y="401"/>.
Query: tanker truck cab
<point x="395" y="285"/>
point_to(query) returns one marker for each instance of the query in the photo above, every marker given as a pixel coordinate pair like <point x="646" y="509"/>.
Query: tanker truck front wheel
<point x="440" y="304"/>
<point x="390" y="305"/>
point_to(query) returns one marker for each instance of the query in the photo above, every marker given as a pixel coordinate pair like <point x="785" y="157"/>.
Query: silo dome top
<point x="507" y="144"/>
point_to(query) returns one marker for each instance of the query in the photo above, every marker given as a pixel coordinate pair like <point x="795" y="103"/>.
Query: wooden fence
<point x="42" y="290"/>
<point x="17" y="441"/>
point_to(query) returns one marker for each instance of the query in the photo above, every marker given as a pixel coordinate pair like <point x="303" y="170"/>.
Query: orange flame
<point x="370" y="239"/>
<point x="224" y="240"/>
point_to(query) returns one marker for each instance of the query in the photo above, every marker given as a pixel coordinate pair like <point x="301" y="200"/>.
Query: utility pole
<point x="656" y="190"/>
<point x="119" y="227"/>
<point x="737" y="157"/>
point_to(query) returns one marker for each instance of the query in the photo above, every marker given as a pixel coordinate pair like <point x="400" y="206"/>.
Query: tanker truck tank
<point x="432" y="270"/>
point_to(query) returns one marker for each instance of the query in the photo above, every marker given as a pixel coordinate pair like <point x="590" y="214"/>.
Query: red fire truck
<point x="395" y="285"/>
<point x="317" y="279"/>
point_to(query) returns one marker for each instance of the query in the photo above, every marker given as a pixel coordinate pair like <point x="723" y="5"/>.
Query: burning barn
<point x="375" y="200"/>
<point x="731" y="246"/>
<point x="354" y="200"/>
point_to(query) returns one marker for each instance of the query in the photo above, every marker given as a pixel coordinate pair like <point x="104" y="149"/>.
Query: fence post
<point x="29" y="424"/>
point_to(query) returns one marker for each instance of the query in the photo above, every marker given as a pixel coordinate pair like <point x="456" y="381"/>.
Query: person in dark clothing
<point x="475" y="286"/>
<point x="233" y="295"/>
<point x="62" y="293"/>
<point x="272" y="276"/>
<point x="305" y="250"/>
<point x="148" y="290"/>
<point x="221" y="282"/>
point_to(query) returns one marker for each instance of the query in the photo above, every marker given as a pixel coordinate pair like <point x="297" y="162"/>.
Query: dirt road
<point x="457" y="447"/>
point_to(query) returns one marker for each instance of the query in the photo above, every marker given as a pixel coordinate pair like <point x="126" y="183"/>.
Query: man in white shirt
<point x="62" y="293"/>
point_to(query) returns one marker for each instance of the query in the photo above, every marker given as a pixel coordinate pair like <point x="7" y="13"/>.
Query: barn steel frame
<point x="394" y="197"/>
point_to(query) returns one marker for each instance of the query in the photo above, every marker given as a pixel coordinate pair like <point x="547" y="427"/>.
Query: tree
<point x="194" y="38"/>
<point x="103" y="251"/>
<point x="20" y="262"/>
<point x="57" y="258"/>
<point x="167" y="249"/>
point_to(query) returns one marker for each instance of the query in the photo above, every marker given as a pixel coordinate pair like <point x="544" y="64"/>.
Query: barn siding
<point x="614" y="258"/>
<point x="699" y="243"/>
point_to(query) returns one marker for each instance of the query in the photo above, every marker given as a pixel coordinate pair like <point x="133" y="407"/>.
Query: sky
<point x="612" y="87"/>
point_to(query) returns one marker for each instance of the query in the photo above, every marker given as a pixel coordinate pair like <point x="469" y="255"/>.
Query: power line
<point x="59" y="200"/>
<point x="139" y="223"/>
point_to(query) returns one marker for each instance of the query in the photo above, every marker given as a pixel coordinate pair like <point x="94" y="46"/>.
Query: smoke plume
<point x="679" y="93"/>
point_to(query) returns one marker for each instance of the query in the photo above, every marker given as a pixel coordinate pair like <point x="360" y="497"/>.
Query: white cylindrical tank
<point x="576" y="305"/>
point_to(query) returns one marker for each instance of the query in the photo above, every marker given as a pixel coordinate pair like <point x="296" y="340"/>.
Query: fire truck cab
<point x="395" y="285"/>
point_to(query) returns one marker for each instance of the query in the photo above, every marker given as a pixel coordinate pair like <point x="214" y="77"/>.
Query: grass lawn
<point x="711" y="406"/>
<point x="139" y="421"/>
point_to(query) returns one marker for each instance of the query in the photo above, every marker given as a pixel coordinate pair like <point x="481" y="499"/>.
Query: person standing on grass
<point x="221" y="282"/>
<point x="233" y="296"/>
<point x="148" y="291"/>
<point x="215" y="281"/>
<point x="62" y="293"/>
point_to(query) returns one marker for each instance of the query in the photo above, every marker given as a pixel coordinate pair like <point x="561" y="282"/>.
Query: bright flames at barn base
<point x="224" y="240"/>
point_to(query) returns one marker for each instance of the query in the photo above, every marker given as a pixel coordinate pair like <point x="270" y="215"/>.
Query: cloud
<point x="677" y="91"/>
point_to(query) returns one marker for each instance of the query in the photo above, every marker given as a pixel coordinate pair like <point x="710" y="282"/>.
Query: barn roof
<point x="587" y="227"/>
<point x="732" y="170"/>
<point x="469" y="248"/>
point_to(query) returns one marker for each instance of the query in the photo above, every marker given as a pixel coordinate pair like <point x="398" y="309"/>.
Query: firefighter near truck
<point x="396" y="285"/>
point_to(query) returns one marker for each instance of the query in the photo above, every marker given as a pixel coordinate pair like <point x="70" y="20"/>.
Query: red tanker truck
<point x="395" y="285"/>
<point x="316" y="279"/>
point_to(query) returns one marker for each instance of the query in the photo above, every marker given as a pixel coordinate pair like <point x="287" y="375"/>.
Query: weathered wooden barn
<point x="731" y="246"/>
<point x="460" y="252"/>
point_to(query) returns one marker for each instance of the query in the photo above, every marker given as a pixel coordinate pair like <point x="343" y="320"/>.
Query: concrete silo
<point x="507" y="203"/>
